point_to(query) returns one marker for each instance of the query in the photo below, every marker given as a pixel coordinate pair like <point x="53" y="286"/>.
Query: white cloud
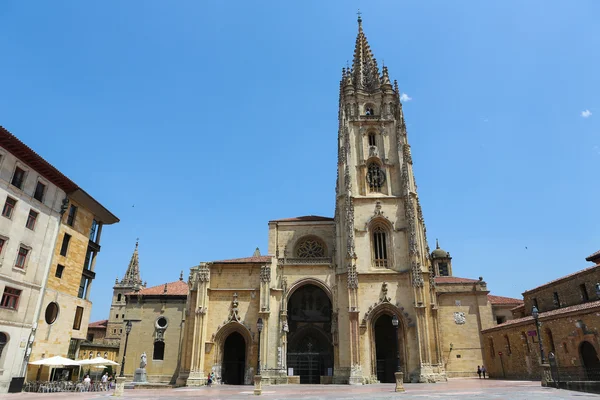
<point x="586" y="113"/>
<point x="404" y="97"/>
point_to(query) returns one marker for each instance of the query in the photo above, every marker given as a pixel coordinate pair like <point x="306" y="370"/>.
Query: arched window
<point x="380" y="259"/>
<point x="119" y="297"/>
<point x="310" y="248"/>
<point x="524" y="339"/>
<point x="507" y="345"/>
<point x="375" y="177"/>
<point x="159" y="351"/>
<point x="372" y="141"/>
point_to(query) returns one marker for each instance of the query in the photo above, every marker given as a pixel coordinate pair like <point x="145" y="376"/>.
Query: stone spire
<point x="132" y="275"/>
<point x="365" y="73"/>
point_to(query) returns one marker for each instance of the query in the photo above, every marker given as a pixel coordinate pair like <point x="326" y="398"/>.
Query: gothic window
<point x="310" y="248"/>
<point x="369" y="109"/>
<point x="380" y="247"/>
<point x="375" y="177"/>
<point x="159" y="351"/>
<point x="550" y="341"/>
<point x="118" y="299"/>
<point x="372" y="139"/>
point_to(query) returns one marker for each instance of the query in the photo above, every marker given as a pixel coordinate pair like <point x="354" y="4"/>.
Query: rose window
<point x="310" y="248"/>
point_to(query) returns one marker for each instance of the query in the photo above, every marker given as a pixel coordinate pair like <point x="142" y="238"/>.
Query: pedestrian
<point x="483" y="371"/>
<point x="208" y="380"/>
<point x="479" y="371"/>
<point x="212" y="377"/>
<point x="87" y="382"/>
<point x="105" y="381"/>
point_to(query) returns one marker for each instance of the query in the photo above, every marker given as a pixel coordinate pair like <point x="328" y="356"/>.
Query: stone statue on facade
<point x="143" y="360"/>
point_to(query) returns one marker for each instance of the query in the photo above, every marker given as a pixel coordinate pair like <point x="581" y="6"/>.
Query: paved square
<point x="454" y="389"/>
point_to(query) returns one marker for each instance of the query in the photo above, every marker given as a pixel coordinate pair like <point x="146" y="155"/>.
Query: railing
<point x="305" y="261"/>
<point x="64" y="386"/>
<point x="576" y="374"/>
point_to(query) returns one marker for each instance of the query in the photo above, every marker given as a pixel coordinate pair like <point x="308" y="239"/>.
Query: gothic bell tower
<point x="382" y="256"/>
<point x="131" y="282"/>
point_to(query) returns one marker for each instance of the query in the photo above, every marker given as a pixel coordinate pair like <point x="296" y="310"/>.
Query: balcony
<point x="305" y="261"/>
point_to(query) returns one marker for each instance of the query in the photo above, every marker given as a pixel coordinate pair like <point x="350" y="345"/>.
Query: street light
<point x="536" y="314"/>
<point x="127" y="331"/>
<point x="259" y="326"/>
<point x="395" y="323"/>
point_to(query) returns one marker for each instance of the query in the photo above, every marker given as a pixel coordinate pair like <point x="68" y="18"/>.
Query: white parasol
<point x="96" y="361"/>
<point x="56" y="361"/>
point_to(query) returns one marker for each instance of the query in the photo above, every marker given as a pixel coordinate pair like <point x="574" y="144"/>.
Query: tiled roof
<point x="594" y="257"/>
<point x="24" y="153"/>
<point x="519" y="307"/>
<point x="454" y="279"/>
<point x="561" y="279"/>
<point x="98" y="324"/>
<point x="245" y="260"/>
<point x="547" y="314"/>
<point x="177" y="288"/>
<point x="309" y="218"/>
<point x="504" y="300"/>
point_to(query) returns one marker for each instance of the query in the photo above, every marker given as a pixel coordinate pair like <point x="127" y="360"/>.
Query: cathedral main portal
<point x="310" y="349"/>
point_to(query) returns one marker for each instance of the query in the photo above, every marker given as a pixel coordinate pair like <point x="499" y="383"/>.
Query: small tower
<point x="441" y="261"/>
<point x="131" y="282"/>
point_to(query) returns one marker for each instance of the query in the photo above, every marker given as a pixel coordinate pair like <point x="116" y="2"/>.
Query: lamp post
<point x="257" y="377"/>
<point x="398" y="374"/>
<point x="127" y="332"/>
<point x="395" y="323"/>
<point x="536" y="314"/>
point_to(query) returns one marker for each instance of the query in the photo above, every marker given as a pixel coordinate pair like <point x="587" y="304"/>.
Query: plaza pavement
<point x="454" y="389"/>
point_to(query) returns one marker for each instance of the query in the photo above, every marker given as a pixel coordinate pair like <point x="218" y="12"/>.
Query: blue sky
<point x="197" y="122"/>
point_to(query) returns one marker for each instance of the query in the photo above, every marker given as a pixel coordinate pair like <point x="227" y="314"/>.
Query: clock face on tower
<point x="375" y="177"/>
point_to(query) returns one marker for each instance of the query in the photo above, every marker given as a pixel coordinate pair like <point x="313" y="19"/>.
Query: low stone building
<point x="96" y="344"/>
<point x="569" y="317"/>
<point x="157" y="315"/>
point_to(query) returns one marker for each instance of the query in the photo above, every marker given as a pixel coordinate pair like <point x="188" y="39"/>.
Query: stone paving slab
<point x="454" y="389"/>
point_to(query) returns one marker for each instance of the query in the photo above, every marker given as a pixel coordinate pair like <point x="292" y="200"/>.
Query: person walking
<point x="87" y="383"/>
<point x="105" y="381"/>
<point x="483" y="371"/>
<point x="479" y="371"/>
<point x="209" y="380"/>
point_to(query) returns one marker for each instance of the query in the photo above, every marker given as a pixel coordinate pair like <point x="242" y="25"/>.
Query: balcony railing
<point x="305" y="261"/>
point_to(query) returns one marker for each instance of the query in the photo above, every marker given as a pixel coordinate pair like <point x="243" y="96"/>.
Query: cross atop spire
<point x="359" y="17"/>
<point x="132" y="275"/>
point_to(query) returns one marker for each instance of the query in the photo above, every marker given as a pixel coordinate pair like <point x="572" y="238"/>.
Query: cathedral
<point x="349" y="299"/>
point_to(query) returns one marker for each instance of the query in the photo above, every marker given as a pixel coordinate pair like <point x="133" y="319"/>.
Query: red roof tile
<point x="561" y="279"/>
<point x="245" y="260"/>
<point x="594" y="257"/>
<point x="309" y="218"/>
<point x="177" y="288"/>
<point x="547" y="314"/>
<point x="454" y="279"/>
<point x="98" y="324"/>
<point x="504" y="300"/>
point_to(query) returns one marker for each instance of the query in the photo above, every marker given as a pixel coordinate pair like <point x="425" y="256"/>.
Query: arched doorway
<point x="234" y="360"/>
<point x="386" y="348"/>
<point x="310" y="349"/>
<point x="590" y="361"/>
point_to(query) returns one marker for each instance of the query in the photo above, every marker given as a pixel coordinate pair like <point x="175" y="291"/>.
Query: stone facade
<point x="96" y="344"/>
<point x="343" y="299"/>
<point x="157" y="315"/>
<point x="569" y="316"/>
<point x="20" y="232"/>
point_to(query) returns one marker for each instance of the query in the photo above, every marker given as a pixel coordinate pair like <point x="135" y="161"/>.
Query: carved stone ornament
<point x="373" y="151"/>
<point x="234" y="313"/>
<point x="201" y="310"/>
<point x="407" y="155"/>
<point x="204" y="273"/>
<point x="284" y="325"/>
<point x="378" y="208"/>
<point x="382" y="300"/>
<point x="265" y="273"/>
<point x="459" y="318"/>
